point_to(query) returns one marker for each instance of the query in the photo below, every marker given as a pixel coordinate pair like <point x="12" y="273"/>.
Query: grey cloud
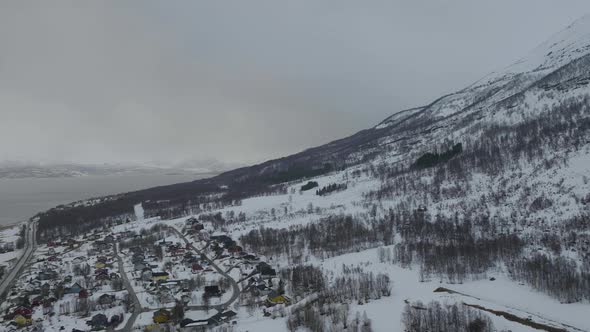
<point x="148" y="81"/>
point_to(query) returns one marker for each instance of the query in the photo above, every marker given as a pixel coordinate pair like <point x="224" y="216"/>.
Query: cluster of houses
<point x="6" y="247"/>
<point x="259" y="280"/>
<point x="86" y="272"/>
<point x="59" y="278"/>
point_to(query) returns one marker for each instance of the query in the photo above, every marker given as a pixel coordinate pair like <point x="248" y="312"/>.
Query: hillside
<point x="490" y="181"/>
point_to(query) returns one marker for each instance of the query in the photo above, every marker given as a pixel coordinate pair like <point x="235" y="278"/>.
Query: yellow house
<point x="162" y="316"/>
<point x="100" y="265"/>
<point x="281" y="299"/>
<point x="160" y="276"/>
<point x="22" y="321"/>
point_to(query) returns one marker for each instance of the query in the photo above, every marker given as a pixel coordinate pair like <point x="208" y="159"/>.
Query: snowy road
<point x="136" y="304"/>
<point x="30" y="245"/>
<point x="235" y="287"/>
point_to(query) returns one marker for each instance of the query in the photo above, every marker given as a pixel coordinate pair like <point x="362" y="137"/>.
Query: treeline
<point x="331" y="188"/>
<point x="434" y="316"/>
<point x="303" y="280"/>
<point x="450" y="249"/>
<point x="327" y="318"/>
<point x="330" y="309"/>
<point x="331" y="236"/>
<point x="359" y="287"/>
<point x="354" y="285"/>
<point x="309" y="185"/>
<point x="559" y="277"/>
<point x="431" y="159"/>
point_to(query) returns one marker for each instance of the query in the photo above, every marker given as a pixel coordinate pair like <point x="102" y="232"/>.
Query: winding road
<point x="234" y="284"/>
<point x="137" y="309"/>
<point x="30" y="245"/>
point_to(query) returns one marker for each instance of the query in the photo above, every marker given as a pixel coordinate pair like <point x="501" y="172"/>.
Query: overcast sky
<point x="240" y="81"/>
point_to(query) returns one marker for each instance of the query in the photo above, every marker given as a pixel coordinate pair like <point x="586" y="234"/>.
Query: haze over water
<point x="21" y="199"/>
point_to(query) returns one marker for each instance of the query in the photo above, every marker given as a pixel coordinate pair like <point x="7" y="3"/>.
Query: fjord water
<point x="21" y="199"/>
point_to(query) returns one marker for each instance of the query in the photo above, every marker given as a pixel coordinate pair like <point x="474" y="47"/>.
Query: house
<point x="165" y="243"/>
<point x="115" y="320"/>
<point x="162" y="316"/>
<point x="47" y="306"/>
<point x="74" y="289"/>
<point x="235" y="249"/>
<point x="139" y="266"/>
<point x="45" y="288"/>
<point x="265" y="270"/>
<point x="22" y="311"/>
<point x="37" y="301"/>
<point x="279" y="299"/>
<point x="101" y="245"/>
<point x="221" y="317"/>
<point x="102" y="259"/>
<point x="160" y="276"/>
<point x="191" y="220"/>
<point x="250" y="258"/>
<point x="106" y="299"/>
<point x="22" y="321"/>
<point x="185" y="299"/>
<point x="102" y="277"/>
<point x="261" y="289"/>
<point x="101" y="271"/>
<point x="212" y="291"/>
<point x="83" y="294"/>
<point x="98" y="321"/>
<point x="195" y="326"/>
<point x="196" y="267"/>
<point x="223" y="239"/>
<point x="146" y="274"/>
<point x="137" y="258"/>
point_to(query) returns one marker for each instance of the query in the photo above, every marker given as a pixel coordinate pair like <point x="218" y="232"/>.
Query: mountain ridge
<point x="402" y="137"/>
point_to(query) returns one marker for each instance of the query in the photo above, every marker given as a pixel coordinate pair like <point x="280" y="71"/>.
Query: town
<point x="144" y="275"/>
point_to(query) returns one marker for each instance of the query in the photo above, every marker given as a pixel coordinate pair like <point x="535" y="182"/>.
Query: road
<point x="30" y="245"/>
<point x="234" y="284"/>
<point x="137" y="309"/>
<point x="526" y="318"/>
<point x="136" y="304"/>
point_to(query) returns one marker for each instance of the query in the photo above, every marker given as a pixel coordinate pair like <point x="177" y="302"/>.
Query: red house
<point x="83" y="294"/>
<point x="23" y="311"/>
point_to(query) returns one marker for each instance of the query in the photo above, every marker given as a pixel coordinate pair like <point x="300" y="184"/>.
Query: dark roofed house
<point x="212" y="291"/>
<point x="196" y="267"/>
<point x="106" y="299"/>
<point x="265" y="270"/>
<point x="47" y="275"/>
<point x="221" y="317"/>
<point x="223" y="239"/>
<point x="98" y="321"/>
<point x="235" y="249"/>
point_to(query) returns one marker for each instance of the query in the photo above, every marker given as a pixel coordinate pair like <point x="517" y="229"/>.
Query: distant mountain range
<point x="20" y="169"/>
